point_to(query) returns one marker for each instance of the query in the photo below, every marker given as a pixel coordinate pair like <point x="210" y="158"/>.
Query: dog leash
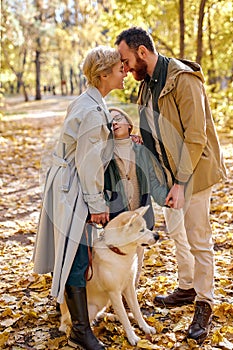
<point x="89" y="267"/>
<point x="114" y="249"/>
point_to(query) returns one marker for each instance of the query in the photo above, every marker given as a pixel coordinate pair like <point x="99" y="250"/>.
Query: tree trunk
<point x="182" y="28"/>
<point x="71" y="81"/>
<point x="26" y="98"/>
<point x="211" y="71"/>
<point x="63" y="80"/>
<point x="81" y="81"/>
<point x="200" y="31"/>
<point x="20" y="83"/>
<point x="37" y="62"/>
<point x="19" y="75"/>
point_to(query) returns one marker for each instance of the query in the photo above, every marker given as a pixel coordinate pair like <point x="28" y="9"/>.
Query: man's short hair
<point x="134" y="37"/>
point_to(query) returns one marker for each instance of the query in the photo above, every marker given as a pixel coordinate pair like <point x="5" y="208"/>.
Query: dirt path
<point x="47" y="107"/>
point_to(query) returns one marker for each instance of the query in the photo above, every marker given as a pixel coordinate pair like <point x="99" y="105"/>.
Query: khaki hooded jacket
<point x="187" y="129"/>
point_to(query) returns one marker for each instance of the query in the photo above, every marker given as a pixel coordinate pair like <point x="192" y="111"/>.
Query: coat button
<point x="98" y="108"/>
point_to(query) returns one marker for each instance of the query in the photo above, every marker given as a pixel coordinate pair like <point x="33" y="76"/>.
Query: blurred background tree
<point x="44" y="42"/>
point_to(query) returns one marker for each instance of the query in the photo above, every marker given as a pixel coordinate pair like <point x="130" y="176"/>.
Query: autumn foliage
<point x="28" y="315"/>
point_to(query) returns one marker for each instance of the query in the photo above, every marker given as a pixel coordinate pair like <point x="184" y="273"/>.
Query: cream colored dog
<point x="115" y="269"/>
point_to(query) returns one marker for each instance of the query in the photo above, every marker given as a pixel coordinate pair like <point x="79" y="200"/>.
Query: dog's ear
<point x="142" y="210"/>
<point x="131" y="220"/>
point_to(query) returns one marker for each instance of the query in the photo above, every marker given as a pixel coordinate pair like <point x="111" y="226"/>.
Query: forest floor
<point x="28" y="316"/>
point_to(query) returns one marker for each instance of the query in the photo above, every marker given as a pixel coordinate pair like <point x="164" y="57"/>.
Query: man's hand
<point x="136" y="139"/>
<point x="100" y="219"/>
<point x="175" y="198"/>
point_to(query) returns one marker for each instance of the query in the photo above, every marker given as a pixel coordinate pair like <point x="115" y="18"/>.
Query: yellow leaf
<point x="41" y="283"/>
<point x="217" y="337"/>
<point x="146" y="344"/>
<point x="8" y="322"/>
<point x="158" y="326"/>
<point x="150" y="262"/>
<point x="44" y="294"/>
<point x="6" y="312"/>
<point x="3" y="339"/>
<point x="192" y="344"/>
<point x="180" y="325"/>
<point x="162" y="278"/>
<point x="53" y="343"/>
<point x="31" y="313"/>
<point x="227" y="329"/>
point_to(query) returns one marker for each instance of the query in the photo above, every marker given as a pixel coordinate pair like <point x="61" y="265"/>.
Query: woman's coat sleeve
<point x="92" y="139"/>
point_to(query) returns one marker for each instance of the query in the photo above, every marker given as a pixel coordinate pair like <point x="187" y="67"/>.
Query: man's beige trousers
<point x="190" y="228"/>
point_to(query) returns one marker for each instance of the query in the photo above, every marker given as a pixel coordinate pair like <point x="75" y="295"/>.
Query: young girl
<point x="132" y="176"/>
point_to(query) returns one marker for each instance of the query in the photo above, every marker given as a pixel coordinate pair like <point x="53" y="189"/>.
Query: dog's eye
<point x="142" y="230"/>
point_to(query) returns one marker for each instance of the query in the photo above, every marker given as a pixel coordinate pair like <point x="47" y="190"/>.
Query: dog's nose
<point x="156" y="236"/>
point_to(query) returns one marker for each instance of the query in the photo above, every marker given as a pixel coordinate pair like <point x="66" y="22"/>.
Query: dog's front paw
<point x="148" y="329"/>
<point x="63" y="328"/>
<point x="133" y="339"/>
<point x="107" y="315"/>
<point x="112" y="317"/>
<point x="65" y="323"/>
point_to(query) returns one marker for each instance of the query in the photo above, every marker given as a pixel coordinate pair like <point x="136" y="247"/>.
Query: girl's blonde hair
<point x="99" y="60"/>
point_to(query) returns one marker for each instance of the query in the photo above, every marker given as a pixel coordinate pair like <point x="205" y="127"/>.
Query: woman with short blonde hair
<point x="95" y="64"/>
<point x="74" y="192"/>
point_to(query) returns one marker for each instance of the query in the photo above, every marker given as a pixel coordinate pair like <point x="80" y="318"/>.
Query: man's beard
<point x="140" y="70"/>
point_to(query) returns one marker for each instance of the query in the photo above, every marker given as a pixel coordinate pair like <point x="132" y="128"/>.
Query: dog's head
<point x="129" y="228"/>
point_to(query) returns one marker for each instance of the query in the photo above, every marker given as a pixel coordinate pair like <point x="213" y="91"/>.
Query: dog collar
<point x="115" y="249"/>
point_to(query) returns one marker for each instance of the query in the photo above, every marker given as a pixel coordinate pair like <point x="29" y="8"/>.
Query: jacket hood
<point x="178" y="66"/>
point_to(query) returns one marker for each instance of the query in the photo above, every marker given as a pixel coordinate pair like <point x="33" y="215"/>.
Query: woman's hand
<point x="100" y="219"/>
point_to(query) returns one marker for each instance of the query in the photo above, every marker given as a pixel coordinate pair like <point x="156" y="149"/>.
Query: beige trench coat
<point x="74" y="186"/>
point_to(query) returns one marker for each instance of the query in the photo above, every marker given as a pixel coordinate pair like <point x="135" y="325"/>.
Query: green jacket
<point x="150" y="179"/>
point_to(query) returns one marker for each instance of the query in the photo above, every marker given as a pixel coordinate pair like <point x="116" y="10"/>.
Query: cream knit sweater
<point x="125" y="159"/>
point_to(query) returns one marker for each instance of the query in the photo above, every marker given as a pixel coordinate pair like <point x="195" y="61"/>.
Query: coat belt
<point x="65" y="171"/>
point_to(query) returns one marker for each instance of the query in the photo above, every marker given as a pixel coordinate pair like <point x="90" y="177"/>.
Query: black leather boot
<point x="177" y="298"/>
<point x="81" y="336"/>
<point x="200" y="326"/>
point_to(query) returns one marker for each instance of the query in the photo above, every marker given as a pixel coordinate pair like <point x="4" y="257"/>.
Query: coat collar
<point x="95" y="95"/>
